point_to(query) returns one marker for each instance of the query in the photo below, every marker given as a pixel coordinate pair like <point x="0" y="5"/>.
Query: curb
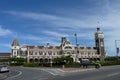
<point x="76" y="70"/>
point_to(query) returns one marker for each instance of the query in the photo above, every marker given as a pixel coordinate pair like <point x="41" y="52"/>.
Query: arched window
<point x="31" y="52"/>
<point x="68" y="47"/>
<point x="68" y="52"/>
<point x="35" y="53"/>
<point x="40" y="53"/>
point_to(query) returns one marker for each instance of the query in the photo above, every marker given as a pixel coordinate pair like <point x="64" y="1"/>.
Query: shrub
<point x="111" y="59"/>
<point x="108" y="63"/>
<point x="31" y="64"/>
<point x="16" y="64"/>
<point x="72" y="64"/>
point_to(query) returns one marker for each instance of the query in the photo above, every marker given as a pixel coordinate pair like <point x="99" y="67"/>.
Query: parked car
<point x="4" y="68"/>
<point x="87" y="62"/>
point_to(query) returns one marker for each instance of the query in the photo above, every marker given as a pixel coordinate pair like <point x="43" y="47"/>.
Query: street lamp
<point x="51" y="60"/>
<point x="77" y="47"/>
<point x="51" y="55"/>
<point x="76" y="38"/>
<point x="117" y="48"/>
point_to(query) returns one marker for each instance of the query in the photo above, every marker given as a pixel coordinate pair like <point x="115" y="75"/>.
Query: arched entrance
<point x="31" y="60"/>
<point x="36" y="60"/>
<point x="41" y="60"/>
<point x="46" y="60"/>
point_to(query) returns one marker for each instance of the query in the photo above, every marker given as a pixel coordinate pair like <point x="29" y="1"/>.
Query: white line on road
<point x="113" y="74"/>
<point x="54" y="74"/>
<point x="20" y="73"/>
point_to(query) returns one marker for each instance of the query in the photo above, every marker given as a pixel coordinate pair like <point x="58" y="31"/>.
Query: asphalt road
<point x="104" y="73"/>
<point x="29" y="74"/>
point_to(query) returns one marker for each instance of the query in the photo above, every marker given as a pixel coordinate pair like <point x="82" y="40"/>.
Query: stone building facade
<point x="48" y="53"/>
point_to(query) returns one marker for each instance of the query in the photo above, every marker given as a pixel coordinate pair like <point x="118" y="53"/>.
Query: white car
<point x="4" y="68"/>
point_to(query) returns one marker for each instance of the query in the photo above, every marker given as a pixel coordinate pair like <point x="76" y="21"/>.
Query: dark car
<point x="86" y="63"/>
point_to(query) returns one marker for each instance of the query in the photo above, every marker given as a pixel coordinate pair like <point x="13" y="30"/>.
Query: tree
<point x="63" y="60"/>
<point x="17" y="60"/>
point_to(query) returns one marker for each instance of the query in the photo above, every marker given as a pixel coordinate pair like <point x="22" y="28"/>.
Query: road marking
<point x="20" y="73"/>
<point x="54" y="74"/>
<point x="42" y="78"/>
<point x="113" y="74"/>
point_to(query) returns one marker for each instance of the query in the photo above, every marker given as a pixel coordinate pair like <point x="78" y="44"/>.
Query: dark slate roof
<point x="5" y="54"/>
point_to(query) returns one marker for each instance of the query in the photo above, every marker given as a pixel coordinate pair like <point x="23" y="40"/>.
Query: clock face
<point x="100" y="35"/>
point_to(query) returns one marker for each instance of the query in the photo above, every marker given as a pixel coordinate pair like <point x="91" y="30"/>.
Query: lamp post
<point x="117" y="48"/>
<point x="77" y="48"/>
<point x="51" y="55"/>
<point x="51" y="60"/>
<point x="75" y="38"/>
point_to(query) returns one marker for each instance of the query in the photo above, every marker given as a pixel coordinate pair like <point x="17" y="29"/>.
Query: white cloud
<point x="56" y="34"/>
<point x="109" y="23"/>
<point x="35" y="16"/>
<point x="30" y="37"/>
<point x="57" y="21"/>
<point x="41" y="39"/>
<point x="4" y="32"/>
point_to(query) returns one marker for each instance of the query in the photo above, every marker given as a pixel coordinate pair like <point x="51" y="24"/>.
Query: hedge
<point x="31" y="64"/>
<point x="108" y="63"/>
<point x="72" y="64"/>
<point x="16" y="64"/>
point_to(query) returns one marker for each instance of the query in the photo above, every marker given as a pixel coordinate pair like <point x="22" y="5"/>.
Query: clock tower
<point x="99" y="41"/>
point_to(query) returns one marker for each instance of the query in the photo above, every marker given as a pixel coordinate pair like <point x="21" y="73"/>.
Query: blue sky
<point x="38" y="22"/>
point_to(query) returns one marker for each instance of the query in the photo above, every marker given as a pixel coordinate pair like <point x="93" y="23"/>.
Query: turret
<point x="15" y="48"/>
